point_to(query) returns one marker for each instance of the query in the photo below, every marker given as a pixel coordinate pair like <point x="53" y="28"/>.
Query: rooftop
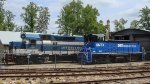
<point x="132" y="31"/>
<point x="9" y="36"/>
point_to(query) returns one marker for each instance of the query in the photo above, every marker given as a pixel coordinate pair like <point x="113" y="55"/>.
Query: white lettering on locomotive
<point x="99" y="44"/>
<point x="123" y="45"/>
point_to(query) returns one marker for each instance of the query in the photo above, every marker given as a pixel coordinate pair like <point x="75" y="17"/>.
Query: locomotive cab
<point x="94" y="38"/>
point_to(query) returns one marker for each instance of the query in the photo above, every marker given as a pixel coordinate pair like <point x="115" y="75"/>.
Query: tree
<point x="70" y="17"/>
<point x="43" y="20"/>
<point x="89" y="19"/>
<point x="145" y="18"/>
<point x="18" y="28"/>
<point x="102" y="27"/>
<point x="30" y="17"/>
<point x="36" y="18"/>
<point x="79" y="20"/>
<point x="134" y="24"/>
<point x="2" y="12"/>
<point x="8" y="21"/>
<point x="122" y="22"/>
<point x="119" y="24"/>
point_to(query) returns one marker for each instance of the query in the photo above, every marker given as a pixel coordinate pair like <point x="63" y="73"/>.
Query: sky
<point x="108" y="9"/>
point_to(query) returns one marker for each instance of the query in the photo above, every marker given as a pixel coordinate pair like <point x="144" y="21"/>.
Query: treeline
<point x="36" y="19"/>
<point x="6" y="19"/>
<point x="74" y="19"/>
<point x="77" y="19"/>
<point x="142" y="23"/>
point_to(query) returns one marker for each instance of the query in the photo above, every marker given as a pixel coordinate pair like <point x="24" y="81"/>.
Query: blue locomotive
<point x="39" y="48"/>
<point x="96" y="50"/>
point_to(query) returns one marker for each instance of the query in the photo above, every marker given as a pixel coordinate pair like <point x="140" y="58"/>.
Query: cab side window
<point x="32" y="42"/>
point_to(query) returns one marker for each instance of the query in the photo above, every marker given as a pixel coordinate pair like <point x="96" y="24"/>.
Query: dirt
<point x="69" y="65"/>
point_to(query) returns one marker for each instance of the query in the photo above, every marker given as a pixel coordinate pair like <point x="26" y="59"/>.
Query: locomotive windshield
<point x="46" y="37"/>
<point x="93" y="38"/>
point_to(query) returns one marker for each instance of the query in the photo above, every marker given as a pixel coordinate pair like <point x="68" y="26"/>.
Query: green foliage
<point x="2" y="16"/>
<point x="134" y="24"/>
<point x="70" y="17"/>
<point x="8" y="22"/>
<point x="101" y="27"/>
<point x="89" y="18"/>
<point x="36" y="18"/>
<point x="43" y="19"/>
<point x="30" y="17"/>
<point x="119" y="24"/>
<point x="145" y="18"/>
<point x="6" y="19"/>
<point x="79" y="20"/>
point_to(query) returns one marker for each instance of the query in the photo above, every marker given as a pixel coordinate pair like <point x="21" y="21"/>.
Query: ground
<point x="70" y="65"/>
<point x="47" y="80"/>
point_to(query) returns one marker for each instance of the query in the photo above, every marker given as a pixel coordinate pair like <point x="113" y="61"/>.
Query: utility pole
<point x="28" y="60"/>
<point x="55" y="61"/>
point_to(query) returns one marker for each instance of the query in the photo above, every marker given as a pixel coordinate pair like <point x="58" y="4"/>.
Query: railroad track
<point x="80" y="75"/>
<point x="94" y="68"/>
<point x="106" y="81"/>
<point x="65" y="70"/>
<point x="70" y="73"/>
<point x="103" y="77"/>
<point x="73" y="74"/>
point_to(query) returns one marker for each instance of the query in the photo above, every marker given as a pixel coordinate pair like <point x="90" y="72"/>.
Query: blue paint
<point x="17" y="45"/>
<point x="110" y="47"/>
